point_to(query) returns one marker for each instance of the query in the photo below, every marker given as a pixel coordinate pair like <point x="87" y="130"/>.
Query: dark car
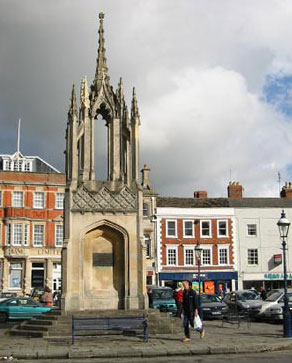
<point x="244" y="301"/>
<point x="212" y="306"/>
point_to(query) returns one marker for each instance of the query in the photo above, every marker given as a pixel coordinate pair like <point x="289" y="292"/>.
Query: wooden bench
<point x="110" y="324"/>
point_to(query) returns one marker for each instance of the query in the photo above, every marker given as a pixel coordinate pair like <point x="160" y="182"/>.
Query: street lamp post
<point x="198" y="251"/>
<point x="284" y="225"/>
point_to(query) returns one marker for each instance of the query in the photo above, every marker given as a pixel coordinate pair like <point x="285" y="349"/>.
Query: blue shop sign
<point x="274" y="276"/>
<point x="180" y="276"/>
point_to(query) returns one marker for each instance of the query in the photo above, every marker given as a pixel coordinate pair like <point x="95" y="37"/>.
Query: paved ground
<point x="226" y="339"/>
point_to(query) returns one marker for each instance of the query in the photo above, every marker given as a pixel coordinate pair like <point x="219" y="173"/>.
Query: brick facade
<point x="37" y="258"/>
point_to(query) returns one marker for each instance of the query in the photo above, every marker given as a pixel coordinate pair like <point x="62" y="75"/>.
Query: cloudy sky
<point x="213" y="80"/>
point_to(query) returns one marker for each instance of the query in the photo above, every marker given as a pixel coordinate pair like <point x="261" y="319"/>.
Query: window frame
<point x="34" y="233"/>
<point x="147" y="240"/>
<point x="175" y="227"/>
<point x="247" y="230"/>
<point x="145" y="210"/>
<point x="21" y="274"/>
<point x="175" y="248"/>
<point x="218" y="229"/>
<point x="210" y="228"/>
<point x="36" y="200"/>
<point x="57" y="205"/>
<point x="250" y="257"/>
<point x="15" y="205"/>
<point x="184" y="228"/>
<point x="189" y="248"/>
<point x="207" y="248"/>
<point x="56" y="232"/>
<point x="223" y="247"/>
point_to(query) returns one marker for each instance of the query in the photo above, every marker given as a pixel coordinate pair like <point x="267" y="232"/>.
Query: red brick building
<point x="31" y="223"/>
<point x="182" y="223"/>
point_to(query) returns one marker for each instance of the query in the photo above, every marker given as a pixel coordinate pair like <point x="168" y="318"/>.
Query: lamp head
<point x="283" y="225"/>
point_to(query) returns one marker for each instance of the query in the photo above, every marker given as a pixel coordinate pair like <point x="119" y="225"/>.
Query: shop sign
<point x="196" y="276"/>
<point x="278" y="259"/>
<point x="274" y="276"/>
<point x="15" y="251"/>
<point x="48" y="251"/>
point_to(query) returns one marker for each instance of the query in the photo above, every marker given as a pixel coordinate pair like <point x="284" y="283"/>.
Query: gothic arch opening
<point x="101" y="148"/>
<point x="104" y="266"/>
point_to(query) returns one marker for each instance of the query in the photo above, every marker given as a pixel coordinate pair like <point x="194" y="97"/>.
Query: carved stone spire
<point x="101" y="66"/>
<point x="73" y="104"/>
<point x="120" y="91"/>
<point x="135" y="110"/>
<point x="84" y="95"/>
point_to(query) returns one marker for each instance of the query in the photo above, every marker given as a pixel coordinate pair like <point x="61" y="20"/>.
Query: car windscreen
<point x="274" y="297"/>
<point x="162" y="294"/>
<point x="247" y="295"/>
<point x="209" y="299"/>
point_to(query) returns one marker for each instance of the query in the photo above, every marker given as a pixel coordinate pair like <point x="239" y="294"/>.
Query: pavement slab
<point x="227" y="339"/>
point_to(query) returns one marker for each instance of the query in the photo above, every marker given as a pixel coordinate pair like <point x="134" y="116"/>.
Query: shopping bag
<point x="198" y="323"/>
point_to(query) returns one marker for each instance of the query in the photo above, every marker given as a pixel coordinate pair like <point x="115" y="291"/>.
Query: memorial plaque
<point x="102" y="259"/>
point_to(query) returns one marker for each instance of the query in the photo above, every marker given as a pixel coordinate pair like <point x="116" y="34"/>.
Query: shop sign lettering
<point x="15" y="251"/>
<point x="48" y="251"/>
<point x="274" y="276"/>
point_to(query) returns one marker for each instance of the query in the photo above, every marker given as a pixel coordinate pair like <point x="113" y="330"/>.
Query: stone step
<point x="27" y="333"/>
<point x="34" y="327"/>
<point x="40" y="322"/>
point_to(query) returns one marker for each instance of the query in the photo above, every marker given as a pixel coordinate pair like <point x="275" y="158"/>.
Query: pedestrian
<point x="190" y="310"/>
<point x="220" y="292"/>
<point x="178" y="296"/>
<point x="150" y="297"/>
<point x="263" y="293"/>
<point x="47" y="297"/>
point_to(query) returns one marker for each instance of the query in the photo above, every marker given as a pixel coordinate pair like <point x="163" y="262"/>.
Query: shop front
<point x="210" y="281"/>
<point x="268" y="280"/>
<point x="25" y="268"/>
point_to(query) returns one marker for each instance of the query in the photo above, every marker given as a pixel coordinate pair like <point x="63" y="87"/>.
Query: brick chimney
<point x="234" y="190"/>
<point x="286" y="191"/>
<point x="200" y="194"/>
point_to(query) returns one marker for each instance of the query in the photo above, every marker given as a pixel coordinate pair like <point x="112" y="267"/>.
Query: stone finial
<point x="73" y="103"/>
<point x="146" y="177"/>
<point x="120" y="91"/>
<point x="135" y="110"/>
<point x="84" y="94"/>
<point x="101" y="65"/>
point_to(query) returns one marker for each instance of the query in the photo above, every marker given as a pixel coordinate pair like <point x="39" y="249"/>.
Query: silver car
<point x="272" y="307"/>
<point x="244" y="301"/>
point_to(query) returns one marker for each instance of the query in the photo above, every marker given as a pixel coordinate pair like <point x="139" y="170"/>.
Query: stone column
<point x="27" y="277"/>
<point x="5" y="274"/>
<point x="49" y="275"/>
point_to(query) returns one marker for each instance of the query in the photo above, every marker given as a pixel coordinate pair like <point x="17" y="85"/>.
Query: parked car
<point x="245" y="301"/>
<point x="272" y="307"/>
<point x="162" y="299"/>
<point x="213" y="307"/>
<point x="20" y="308"/>
<point x="7" y="295"/>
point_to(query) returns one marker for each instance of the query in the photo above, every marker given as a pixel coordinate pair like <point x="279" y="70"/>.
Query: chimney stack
<point x="234" y="190"/>
<point x="286" y="191"/>
<point x="200" y="194"/>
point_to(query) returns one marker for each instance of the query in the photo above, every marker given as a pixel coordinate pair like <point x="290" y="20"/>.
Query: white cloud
<point x="210" y="123"/>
